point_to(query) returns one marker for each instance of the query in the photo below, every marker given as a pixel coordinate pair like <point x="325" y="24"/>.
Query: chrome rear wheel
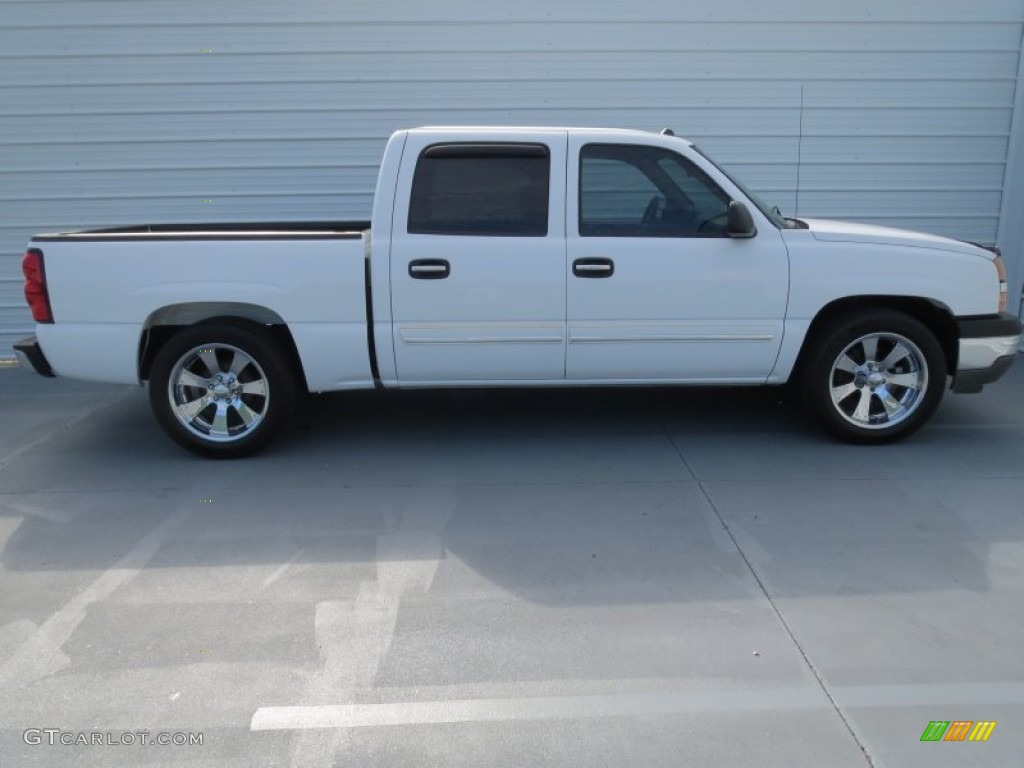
<point x="218" y="392"/>
<point x="223" y="388"/>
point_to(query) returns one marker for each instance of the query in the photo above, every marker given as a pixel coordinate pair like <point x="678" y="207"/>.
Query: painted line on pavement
<point x="540" y="708"/>
<point x="40" y="655"/>
<point x="627" y="705"/>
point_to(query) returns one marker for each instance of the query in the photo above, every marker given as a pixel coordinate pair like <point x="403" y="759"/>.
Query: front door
<point x="657" y="292"/>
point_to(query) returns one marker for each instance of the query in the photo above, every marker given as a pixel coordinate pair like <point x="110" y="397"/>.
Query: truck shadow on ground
<point x="560" y="496"/>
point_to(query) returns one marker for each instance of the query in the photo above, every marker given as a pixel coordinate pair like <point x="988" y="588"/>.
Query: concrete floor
<point x="603" y="578"/>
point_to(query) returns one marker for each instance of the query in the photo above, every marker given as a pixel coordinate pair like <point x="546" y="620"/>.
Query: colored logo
<point x="958" y="730"/>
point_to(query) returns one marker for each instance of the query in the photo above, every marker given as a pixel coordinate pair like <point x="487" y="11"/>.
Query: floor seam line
<point x="792" y="636"/>
<point x="775" y="609"/>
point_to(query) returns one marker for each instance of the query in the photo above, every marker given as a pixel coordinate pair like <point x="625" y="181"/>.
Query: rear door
<point x="478" y="259"/>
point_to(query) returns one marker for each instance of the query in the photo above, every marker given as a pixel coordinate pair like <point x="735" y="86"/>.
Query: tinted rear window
<point x="481" y="189"/>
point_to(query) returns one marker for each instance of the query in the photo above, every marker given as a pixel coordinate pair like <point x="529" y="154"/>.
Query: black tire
<point x="235" y="416"/>
<point x="871" y="392"/>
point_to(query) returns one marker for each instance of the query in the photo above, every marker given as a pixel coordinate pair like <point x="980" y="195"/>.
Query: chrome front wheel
<point x="878" y="380"/>
<point x="872" y="375"/>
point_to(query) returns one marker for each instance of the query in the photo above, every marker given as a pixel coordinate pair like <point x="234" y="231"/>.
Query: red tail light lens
<point x="35" y="286"/>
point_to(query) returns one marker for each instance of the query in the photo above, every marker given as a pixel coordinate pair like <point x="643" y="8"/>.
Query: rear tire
<point x="873" y="377"/>
<point x="222" y="389"/>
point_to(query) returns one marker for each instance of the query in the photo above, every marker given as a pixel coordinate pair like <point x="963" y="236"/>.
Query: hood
<point x="849" y="232"/>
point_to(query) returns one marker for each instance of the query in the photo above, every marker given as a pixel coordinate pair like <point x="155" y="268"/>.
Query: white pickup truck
<point x="519" y="257"/>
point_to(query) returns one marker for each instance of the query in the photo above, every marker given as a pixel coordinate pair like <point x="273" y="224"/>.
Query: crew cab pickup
<point x="512" y="257"/>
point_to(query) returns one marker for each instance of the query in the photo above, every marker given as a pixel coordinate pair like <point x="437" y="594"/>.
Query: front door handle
<point x="593" y="267"/>
<point x="429" y="269"/>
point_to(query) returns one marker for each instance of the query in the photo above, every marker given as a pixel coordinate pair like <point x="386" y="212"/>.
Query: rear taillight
<point x="1001" y="274"/>
<point x="36" y="295"/>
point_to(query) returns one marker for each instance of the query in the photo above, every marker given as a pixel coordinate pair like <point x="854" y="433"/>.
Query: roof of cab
<point x="526" y="129"/>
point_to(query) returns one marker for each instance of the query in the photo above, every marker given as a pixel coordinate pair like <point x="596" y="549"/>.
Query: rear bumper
<point x="30" y="355"/>
<point x="988" y="347"/>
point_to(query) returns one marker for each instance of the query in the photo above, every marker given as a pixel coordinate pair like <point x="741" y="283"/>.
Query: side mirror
<point x="741" y="223"/>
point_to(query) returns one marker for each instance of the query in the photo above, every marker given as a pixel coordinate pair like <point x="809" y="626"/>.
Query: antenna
<point x="799" y="150"/>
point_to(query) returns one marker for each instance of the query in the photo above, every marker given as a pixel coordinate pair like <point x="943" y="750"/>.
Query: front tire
<point x="874" y="377"/>
<point x="222" y="389"/>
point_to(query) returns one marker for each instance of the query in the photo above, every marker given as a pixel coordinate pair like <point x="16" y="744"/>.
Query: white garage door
<point x="116" y="112"/>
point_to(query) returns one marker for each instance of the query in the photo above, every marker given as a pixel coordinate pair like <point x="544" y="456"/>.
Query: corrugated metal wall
<point x="132" y="111"/>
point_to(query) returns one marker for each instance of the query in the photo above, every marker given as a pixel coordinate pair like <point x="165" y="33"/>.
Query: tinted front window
<point x="615" y="193"/>
<point x="481" y="189"/>
<point x="768" y="210"/>
<point x="637" y="191"/>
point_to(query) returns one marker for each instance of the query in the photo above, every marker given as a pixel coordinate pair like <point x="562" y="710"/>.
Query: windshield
<point x="772" y="212"/>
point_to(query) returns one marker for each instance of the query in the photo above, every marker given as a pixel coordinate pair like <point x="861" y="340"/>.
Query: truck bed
<point x="113" y="286"/>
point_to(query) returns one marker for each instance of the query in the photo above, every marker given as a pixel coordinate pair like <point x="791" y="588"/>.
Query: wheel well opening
<point x="155" y="337"/>
<point x="939" y="320"/>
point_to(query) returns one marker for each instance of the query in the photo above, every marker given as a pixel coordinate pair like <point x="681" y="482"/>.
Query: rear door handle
<point x="429" y="269"/>
<point x="593" y="267"/>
